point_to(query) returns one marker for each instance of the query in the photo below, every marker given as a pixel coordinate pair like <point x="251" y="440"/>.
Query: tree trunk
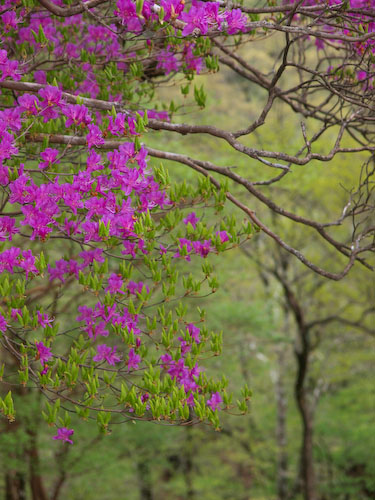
<point x="281" y="438"/>
<point x="307" y="463"/>
<point x="36" y="481"/>
<point x="15" y="481"/>
<point x="188" y="464"/>
<point x="302" y="354"/>
<point x="145" y="483"/>
<point x="307" y="474"/>
<point x="15" y="486"/>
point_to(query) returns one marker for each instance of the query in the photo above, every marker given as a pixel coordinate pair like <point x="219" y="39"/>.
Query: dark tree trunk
<point x="58" y="486"/>
<point x="36" y="481"/>
<point x="188" y="465"/>
<point x="15" y="487"/>
<point x="307" y="473"/>
<point x="282" y="460"/>
<point x="302" y="354"/>
<point x="15" y="478"/>
<point x="144" y="478"/>
<point x="307" y="463"/>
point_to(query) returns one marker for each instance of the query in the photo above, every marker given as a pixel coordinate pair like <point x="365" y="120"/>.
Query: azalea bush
<point x="94" y="309"/>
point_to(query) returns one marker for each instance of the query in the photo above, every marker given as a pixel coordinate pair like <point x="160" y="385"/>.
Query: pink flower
<point x="10" y="69"/>
<point x="9" y="20"/>
<point x="361" y="75"/>
<point x="49" y="156"/>
<point x="52" y="99"/>
<point x="134" y="360"/>
<point x="194" y="332"/>
<point x="77" y="114"/>
<point x="27" y="263"/>
<point x="215" y="401"/>
<point x="223" y="235"/>
<point x="94" y="137"/>
<point x="3" y="324"/>
<point x="202" y="248"/>
<point x="184" y="248"/>
<point x="172" y="7"/>
<point x="12" y="118"/>
<point x="236" y="21"/>
<point x="135" y="288"/>
<point x="3" y="56"/>
<point x="190" y="400"/>
<point x="192" y="219"/>
<point x="195" y="20"/>
<point x="167" y="61"/>
<point x="40" y="76"/>
<point x="7" y="146"/>
<point x="51" y="95"/>
<point x="114" y="284"/>
<point x="166" y="359"/>
<point x="44" y="320"/>
<point x="106" y="353"/>
<point x="7" y="228"/>
<point x="43" y="352"/>
<point x="29" y="103"/>
<point x="94" y="330"/>
<point x="63" y="434"/>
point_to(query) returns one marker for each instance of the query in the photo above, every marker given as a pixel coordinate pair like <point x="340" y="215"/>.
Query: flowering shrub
<point x="88" y="222"/>
<point x="92" y="310"/>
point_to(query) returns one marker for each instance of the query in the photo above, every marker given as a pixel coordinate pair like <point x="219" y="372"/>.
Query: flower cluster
<point x="90" y="247"/>
<point x="88" y="230"/>
<point x="357" y="22"/>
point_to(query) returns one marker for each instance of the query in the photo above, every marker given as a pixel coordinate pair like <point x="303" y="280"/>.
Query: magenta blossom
<point x="194" y="332"/>
<point x="9" y="20"/>
<point x="51" y="96"/>
<point x="52" y="102"/>
<point x="195" y="20"/>
<point x="3" y="56"/>
<point x="215" y="401"/>
<point x="236" y="21"/>
<point x="77" y="114"/>
<point x="184" y="247"/>
<point x="107" y="353"/>
<point x="89" y="256"/>
<point x="48" y="156"/>
<point x="192" y="219"/>
<point x="167" y="61"/>
<point x="10" y="70"/>
<point x="134" y="360"/>
<point x="7" y="228"/>
<point x="29" y="103"/>
<point x="223" y="235"/>
<point x="40" y="76"/>
<point x="3" y="324"/>
<point x="44" y="320"/>
<point x="361" y="75"/>
<point x="114" y="284"/>
<point x="166" y="359"/>
<point x="63" y="434"/>
<point x="203" y="248"/>
<point x="135" y="288"/>
<point x="94" y="137"/>
<point x="27" y="263"/>
<point x="190" y="400"/>
<point x="43" y="352"/>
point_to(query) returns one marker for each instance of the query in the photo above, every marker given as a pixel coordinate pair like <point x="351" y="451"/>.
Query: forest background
<point x="255" y="456"/>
